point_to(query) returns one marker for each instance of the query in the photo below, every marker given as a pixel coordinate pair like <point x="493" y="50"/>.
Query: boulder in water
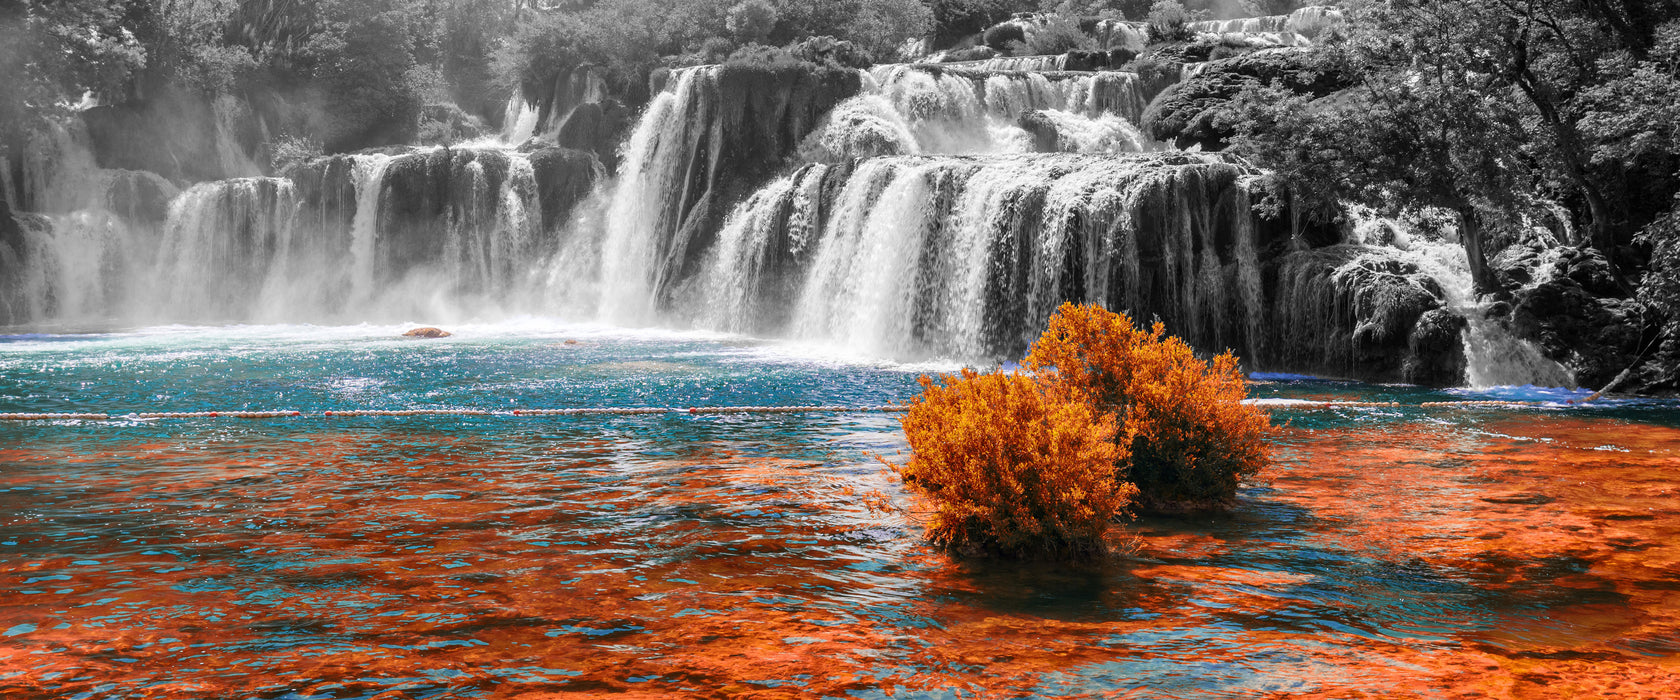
<point x="1437" y="349"/>
<point x="427" y="332"/>
<point x="1596" y="337"/>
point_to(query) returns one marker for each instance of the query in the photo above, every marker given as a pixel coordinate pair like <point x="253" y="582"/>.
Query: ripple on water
<point x="1399" y="552"/>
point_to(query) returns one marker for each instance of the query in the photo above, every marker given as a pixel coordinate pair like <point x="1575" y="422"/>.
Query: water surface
<point x="1402" y="551"/>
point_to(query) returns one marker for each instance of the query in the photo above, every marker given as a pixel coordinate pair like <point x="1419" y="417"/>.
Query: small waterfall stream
<point x="1493" y="357"/>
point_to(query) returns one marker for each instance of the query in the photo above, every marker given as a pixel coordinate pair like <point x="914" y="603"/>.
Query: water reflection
<point x="1391" y="552"/>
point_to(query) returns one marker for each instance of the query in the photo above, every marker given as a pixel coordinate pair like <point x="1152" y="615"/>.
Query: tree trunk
<point x="1573" y="155"/>
<point x="1470" y="234"/>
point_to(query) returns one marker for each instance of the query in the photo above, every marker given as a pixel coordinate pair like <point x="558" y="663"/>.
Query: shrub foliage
<point x="1013" y="470"/>
<point x="1106" y="416"/>
<point x="1191" y="439"/>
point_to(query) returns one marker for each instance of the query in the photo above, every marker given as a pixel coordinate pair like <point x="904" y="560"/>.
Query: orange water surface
<point x="1508" y="555"/>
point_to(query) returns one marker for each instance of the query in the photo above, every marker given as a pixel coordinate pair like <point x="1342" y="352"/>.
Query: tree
<point x="1481" y="108"/>
<point x="1169" y="21"/>
<point x="52" y="53"/>
<point x="751" y="20"/>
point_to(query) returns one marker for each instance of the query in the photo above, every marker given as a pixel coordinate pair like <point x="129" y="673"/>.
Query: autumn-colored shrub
<point x="1013" y="471"/>
<point x="1191" y="441"/>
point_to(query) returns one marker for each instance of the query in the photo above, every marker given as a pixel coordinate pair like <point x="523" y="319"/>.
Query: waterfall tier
<point x="342" y="238"/>
<point x="952" y="109"/>
<point x="1295" y="28"/>
<point x="965" y="257"/>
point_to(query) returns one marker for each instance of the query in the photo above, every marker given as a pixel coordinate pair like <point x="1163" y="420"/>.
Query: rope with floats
<point x="1269" y="404"/>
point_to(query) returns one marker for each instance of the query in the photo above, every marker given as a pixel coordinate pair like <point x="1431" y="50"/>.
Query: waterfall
<point x="519" y="120"/>
<point x="442" y="233"/>
<point x="1294" y="29"/>
<point x="72" y="267"/>
<point x="1120" y="34"/>
<point x="220" y="246"/>
<point x="653" y="183"/>
<point x="1023" y="63"/>
<point x="1493" y="356"/>
<point x="920" y="109"/>
<point x="59" y="173"/>
<point x="368" y="177"/>
<point x="965" y="257"/>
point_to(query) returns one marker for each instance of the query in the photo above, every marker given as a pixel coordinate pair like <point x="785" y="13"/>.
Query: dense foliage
<point x="1190" y="440"/>
<point x="1013" y="471"/>
<point x="1107" y="414"/>
<point x="352" y="74"/>
<point x="1495" y="111"/>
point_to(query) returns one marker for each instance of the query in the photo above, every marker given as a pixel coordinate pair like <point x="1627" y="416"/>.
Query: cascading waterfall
<point x="917" y="109"/>
<point x="937" y="211"/>
<point x="221" y="247"/>
<point x="442" y="233"/>
<point x="519" y="120"/>
<point x="1296" y="28"/>
<point x="1493" y="357"/>
<point x="368" y="177"/>
<point x="1023" y="63"/>
<point x="652" y="184"/>
<point x="74" y="266"/>
<point x="963" y="257"/>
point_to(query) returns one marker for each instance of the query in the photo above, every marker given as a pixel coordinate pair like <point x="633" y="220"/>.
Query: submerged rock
<point x="1595" y="337"/>
<point x="427" y="332"/>
<point x="1436" y="350"/>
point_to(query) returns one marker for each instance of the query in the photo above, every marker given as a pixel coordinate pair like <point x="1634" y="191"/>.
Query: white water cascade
<point x="918" y="109"/>
<point x="963" y="257"/>
<point x="519" y="120"/>
<point x="436" y="233"/>
<point x="1493" y="357"/>
<point x="652" y="184"/>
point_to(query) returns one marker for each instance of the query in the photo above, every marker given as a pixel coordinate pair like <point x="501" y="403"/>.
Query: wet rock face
<point x="1436" y="350"/>
<point x="1596" y="337"/>
<point x="564" y="177"/>
<point x="427" y="332"/>
<point x="1352" y="311"/>
<point x="1567" y="302"/>
<point x="597" y="128"/>
<point x="140" y="197"/>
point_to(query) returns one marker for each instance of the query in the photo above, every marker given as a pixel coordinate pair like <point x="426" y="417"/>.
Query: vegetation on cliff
<point x="1549" y="118"/>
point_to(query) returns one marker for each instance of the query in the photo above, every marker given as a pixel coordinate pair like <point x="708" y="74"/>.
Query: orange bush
<point x="1191" y="440"/>
<point x="1013" y="470"/>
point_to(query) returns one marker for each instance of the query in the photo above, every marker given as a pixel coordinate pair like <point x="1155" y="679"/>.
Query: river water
<point x="1406" y="551"/>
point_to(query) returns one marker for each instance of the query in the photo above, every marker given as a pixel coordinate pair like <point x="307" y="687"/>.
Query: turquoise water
<point x="1388" y="551"/>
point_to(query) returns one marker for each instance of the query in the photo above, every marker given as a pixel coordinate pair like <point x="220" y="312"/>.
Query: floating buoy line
<point x="1271" y="404"/>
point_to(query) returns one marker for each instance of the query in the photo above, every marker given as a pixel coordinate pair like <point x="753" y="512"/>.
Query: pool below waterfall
<point x="1404" y="551"/>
